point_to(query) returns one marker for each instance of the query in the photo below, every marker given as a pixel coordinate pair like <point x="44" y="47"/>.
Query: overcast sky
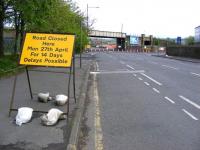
<point x="161" y="18"/>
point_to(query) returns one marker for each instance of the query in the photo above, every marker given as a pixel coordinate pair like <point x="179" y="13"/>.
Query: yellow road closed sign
<point x="43" y="49"/>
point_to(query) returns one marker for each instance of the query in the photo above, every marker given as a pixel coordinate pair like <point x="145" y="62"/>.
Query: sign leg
<point x="13" y="95"/>
<point x="29" y="83"/>
<point x="69" y="82"/>
<point x="74" y="82"/>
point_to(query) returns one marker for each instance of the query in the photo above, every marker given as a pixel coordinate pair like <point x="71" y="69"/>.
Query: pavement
<point x="33" y="135"/>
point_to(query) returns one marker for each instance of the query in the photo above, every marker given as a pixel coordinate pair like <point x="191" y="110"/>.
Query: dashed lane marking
<point x="150" y="78"/>
<point x="189" y="114"/>
<point x="170" y="67"/>
<point x="170" y="100"/>
<point x="196" y="74"/>
<point x="156" y="90"/>
<point x="189" y="101"/>
<point x="140" y="79"/>
<point x="146" y="83"/>
<point x="153" y="62"/>
<point x="130" y="67"/>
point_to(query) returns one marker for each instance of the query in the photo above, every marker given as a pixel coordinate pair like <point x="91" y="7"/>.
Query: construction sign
<point x="43" y="49"/>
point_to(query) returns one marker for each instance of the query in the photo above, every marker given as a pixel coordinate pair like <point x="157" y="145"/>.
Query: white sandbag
<point x="61" y="99"/>
<point x="52" y="117"/>
<point x="44" y="97"/>
<point x="24" y="115"/>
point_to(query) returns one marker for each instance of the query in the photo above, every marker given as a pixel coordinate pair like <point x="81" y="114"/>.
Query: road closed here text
<point x="47" y="49"/>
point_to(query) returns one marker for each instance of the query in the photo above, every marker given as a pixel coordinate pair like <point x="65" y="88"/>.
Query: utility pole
<point x="87" y="21"/>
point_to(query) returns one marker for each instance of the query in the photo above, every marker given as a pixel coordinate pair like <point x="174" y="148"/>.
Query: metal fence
<point x="9" y="44"/>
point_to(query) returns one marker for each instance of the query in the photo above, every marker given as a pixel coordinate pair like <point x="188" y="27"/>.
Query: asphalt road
<point x="142" y="102"/>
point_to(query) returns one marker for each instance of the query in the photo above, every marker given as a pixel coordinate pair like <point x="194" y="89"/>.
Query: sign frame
<point x="71" y="74"/>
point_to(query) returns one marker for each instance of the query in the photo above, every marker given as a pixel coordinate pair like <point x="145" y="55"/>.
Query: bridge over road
<point x="120" y="37"/>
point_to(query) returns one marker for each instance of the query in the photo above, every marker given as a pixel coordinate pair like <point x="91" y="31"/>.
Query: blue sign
<point x="178" y="40"/>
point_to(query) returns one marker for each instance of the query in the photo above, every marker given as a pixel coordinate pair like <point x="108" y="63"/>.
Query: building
<point x="197" y="35"/>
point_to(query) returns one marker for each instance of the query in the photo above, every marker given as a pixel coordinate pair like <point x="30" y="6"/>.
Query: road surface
<point x="142" y="102"/>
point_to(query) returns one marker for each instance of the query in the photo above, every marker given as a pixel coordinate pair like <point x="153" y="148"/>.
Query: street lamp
<point x="88" y="16"/>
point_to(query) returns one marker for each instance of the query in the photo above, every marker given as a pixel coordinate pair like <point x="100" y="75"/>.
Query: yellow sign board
<point x="43" y="49"/>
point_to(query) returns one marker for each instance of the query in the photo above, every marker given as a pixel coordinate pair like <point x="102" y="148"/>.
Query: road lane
<point x="134" y="116"/>
<point x="175" y="81"/>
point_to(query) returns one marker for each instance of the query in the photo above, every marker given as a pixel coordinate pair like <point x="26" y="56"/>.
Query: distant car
<point x="161" y="48"/>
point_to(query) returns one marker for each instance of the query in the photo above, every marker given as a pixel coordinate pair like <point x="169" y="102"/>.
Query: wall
<point x="184" y="51"/>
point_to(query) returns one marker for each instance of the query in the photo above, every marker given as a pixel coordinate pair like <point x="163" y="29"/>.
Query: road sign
<point x="43" y="49"/>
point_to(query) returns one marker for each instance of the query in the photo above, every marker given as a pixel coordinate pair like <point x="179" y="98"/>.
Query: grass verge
<point x="9" y="65"/>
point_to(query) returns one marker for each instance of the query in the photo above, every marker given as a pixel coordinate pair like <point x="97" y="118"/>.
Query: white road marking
<point x="116" y="72"/>
<point x="146" y="83"/>
<point x="130" y="67"/>
<point x="97" y="66"/>
<point x="170" y="67"/>
<point x="170" y="100"/>
<point x="151" y="79"/>
<point x="135" y="75"/>
<point x="189" y="114"/>
<point x="92" y="54"/>
<point x="156" y="90"/>
<point x="189" y="101"/>
<point x="196" y="74"/>
<point x="140" y="79"/>
<point x="153" y="62"/>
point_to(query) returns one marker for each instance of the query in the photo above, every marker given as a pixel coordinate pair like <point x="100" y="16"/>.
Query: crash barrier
<point x="184" y="51"/>
<point x="47" y="50"/>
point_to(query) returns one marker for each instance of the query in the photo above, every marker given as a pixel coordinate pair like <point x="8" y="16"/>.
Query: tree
<point x="3" y="8"/>
<point x="189" y="40"/>
<point x="47" y="16"/>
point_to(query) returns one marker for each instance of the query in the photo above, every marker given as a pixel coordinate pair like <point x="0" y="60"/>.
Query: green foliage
<point x="55" y="16"/>
<point x="156" y="41"/>
<point x="189" y="40"/>
<point x="8" y="62"/>
<point x="9" y="65"/>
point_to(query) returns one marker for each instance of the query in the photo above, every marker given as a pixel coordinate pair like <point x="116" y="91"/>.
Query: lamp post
<point x="81" y="26"/>
<point x="88" y="17"/>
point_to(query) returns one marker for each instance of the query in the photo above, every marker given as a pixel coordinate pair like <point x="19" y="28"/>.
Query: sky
<point x="160" y="18"/>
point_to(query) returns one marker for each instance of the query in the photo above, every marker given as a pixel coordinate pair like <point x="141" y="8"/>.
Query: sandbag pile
<point x="24" y="114"/>
<point x="52" y="117"/>
<point x="59" y="99"/>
